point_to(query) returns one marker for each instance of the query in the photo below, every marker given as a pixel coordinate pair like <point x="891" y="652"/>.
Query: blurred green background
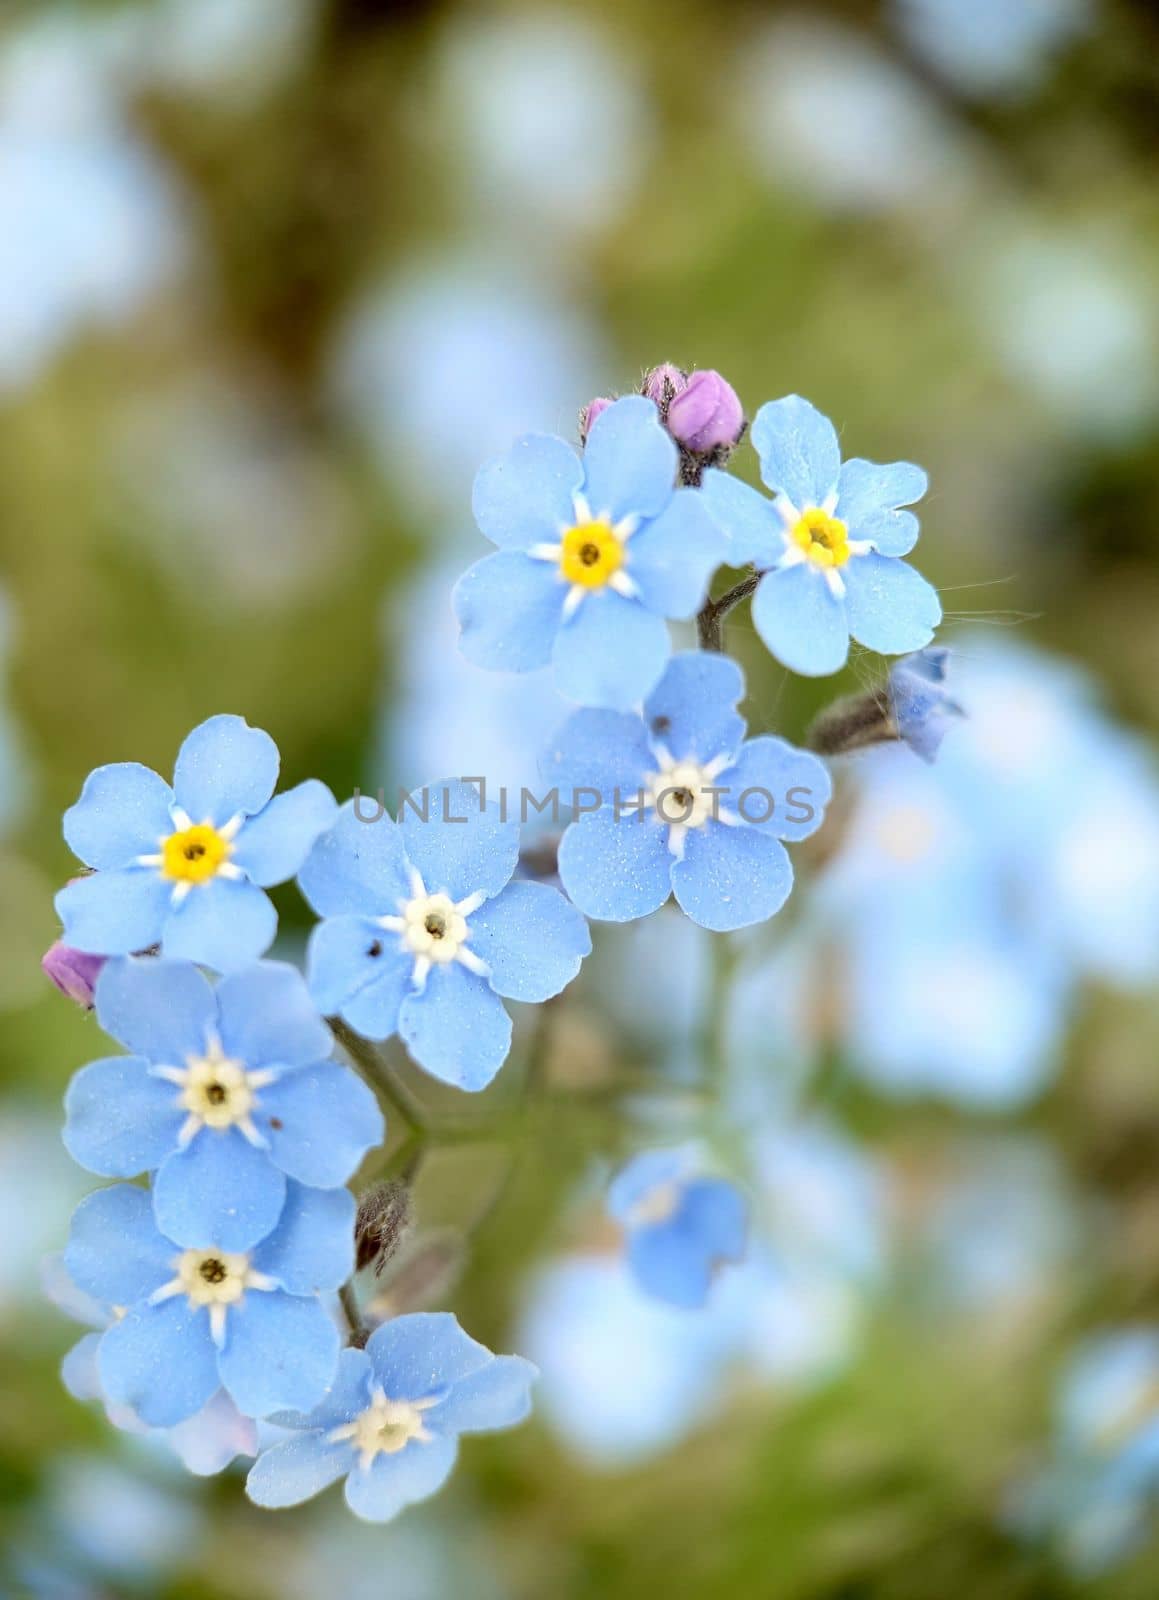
<point x="275" y="276"/>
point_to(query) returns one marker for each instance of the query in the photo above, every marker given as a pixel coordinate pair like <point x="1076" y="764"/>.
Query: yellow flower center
<point x="195" y="854"/>
<point x="823" y="538"/>
<point x="590" y="554"/>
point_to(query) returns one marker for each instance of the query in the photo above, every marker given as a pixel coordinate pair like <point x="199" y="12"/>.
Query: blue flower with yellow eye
<point x="228" y="1093"/>
<point x="425" y="931"/>
<point x="186" y="867"/>
<point x="677" y="801"/>
<point x="829" y="545"/>
<point x="196" y="1319"/>
<point x="681" y="1224"/>
<point x="391" y="1420"/>
<point x="593" y="555"/>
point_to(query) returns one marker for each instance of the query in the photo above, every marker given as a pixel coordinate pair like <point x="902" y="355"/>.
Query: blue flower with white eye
<point x="922" y="708"/>
<point x="391" y="1421"/>
<point x="227" y="1094"/>
<point x="593" y="555"/>
<point x="424" y="931"/>
<point x="186" y="868"/>
<point x="680" y="1225"/>
<point x="829" y="544"/>
<point x="190" y="1321"/>
<point x="686" y="805"/>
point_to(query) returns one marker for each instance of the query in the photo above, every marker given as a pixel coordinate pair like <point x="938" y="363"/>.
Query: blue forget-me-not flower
<point x="198" y="1319"/>
<point x="186" y="867"/>
<point x="680" y="1224"/>
<point x="391" y="1421"/>
<point x="228" y="1092"/>
<point x="829" y="545"/>
<point x="686" y="805"/>
<point x="921" y="704"/>
<point x="424" y="931"/>
<point x="593" y="555"/>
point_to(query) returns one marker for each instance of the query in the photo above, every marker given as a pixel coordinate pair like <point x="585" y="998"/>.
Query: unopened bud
<point x="73" y="971"/>
<point x="589" y="414"/>
<point x="384" y="1216"/>
<point x="663" y="384"/>
<point x="706" y="415"/>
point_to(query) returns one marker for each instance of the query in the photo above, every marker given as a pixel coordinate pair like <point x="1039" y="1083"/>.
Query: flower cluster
<point x="222" y="1292"/>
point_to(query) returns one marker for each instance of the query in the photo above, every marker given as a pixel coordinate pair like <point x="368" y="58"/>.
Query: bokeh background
<point x="275" y="277"/>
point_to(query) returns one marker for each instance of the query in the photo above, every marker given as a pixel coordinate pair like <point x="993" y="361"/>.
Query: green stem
<point x="710" y="619"/>
<point x="371" y="1063"/>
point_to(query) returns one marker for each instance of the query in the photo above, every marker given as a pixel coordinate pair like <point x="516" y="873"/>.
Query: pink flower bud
<point x="706" y="415"/>
<point x="589" y="414"/>
<point x="74" y="973"/>
<point x="663" y="383"/>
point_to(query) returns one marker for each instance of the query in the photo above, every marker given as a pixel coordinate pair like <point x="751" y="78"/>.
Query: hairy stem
<point x="710" y="618"/>
<point x="373" y="1066"/>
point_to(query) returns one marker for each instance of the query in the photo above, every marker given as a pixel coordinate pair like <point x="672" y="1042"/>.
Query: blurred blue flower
<point x="424" y="930"/>
<point x="228" y="1092"/>
<point x="186" y="867"/>
<point x="199" y="1319"/>
<point x="921" y="703"/>
<point x="391" y="1420"/>
<point x="593" y="555"/>
<point x="680" y="1225"/>
<point x="991" y="46"/>
<point x="686" y="805"/>
<point x="829" y="545"/>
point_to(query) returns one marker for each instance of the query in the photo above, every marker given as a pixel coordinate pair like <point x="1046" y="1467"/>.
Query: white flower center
<point x="215" y="1280"/>
<point x="435" y="930"/>
<point x="217" y="1092"/>
<point x="684" y="795"/>
<point x="384" y="1428"/>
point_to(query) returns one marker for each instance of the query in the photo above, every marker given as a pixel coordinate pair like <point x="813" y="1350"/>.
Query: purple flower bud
<point x="74" y="973"/>
<point x="706" y="415"/>
<point x="664" y="383"/>
<point x="589" y="414"/>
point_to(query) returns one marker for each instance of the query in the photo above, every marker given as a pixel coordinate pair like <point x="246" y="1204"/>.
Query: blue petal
<point x="496" y="1396"/>
<point x="692" y="710"/>
<point x="650" y="1169"/>
<point x="616" y="870"/>
<point x="114" y="913"/>
<point x="319" y="1123"/>
<point x="120" y="1121"/>
<point x="457" y="1028"/>
<point x="598" y="750"/>
<point x="800" y="455"/>
<point x="419" y="1355"/>
<point x="208" y="1442"/>
<point x="218" y="1191"/>
<point x="358" y="971"/>
<point x="280" y="1351"/>
<point x="160" y="1362"/>
<point x="526" y="496"/>
<point x="358" y="867"/>
<point x="532" y="939"/>
<point x="312" y="1249"/>
<point x="462" y="848"/>
<point x="346" y="1396"/>
<point x="755" y="530"/>
<point x="223" y="768"/>
<point x="731" y="877"/>
<point x="868" y="495"/>
<point x="122" y="813"/>
<point x="297" y="1469"/>
<point x="669" y="1266"/>
<point x="509" y="608"/>
<point x="672" y="559"/>
<point x="394" y="1482"/>
<point x="891" y="607"/>
<point x="162" y="1010"/>
<point x="272" y="846"/>
<point x="611" y="652"/>
<point x="716" y="1213"/>
<point x="223" y="924"/>
<point x="114" y="1250"/>
<point x="79" y="1372"/>
<point x="801" y="622"/>
<point x="629" y="461"/>
<point x="268" y="1018"/>
<point x="791" y="784"/>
